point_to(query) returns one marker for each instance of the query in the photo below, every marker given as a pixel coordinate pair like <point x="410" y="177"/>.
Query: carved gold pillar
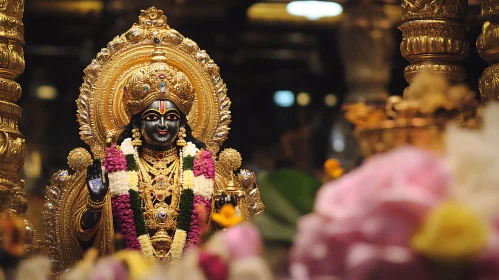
<point x="434" y="34"/>
<point x="12" y="148"/>
<point x="488" y="48"/>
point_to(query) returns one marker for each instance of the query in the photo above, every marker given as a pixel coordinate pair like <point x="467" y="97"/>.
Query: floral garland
<point x="197" y="180"/>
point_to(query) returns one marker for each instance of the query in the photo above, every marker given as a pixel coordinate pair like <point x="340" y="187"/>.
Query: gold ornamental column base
<point x="434" y="36"/>
<point x="12" y="147"/>
<point x="488" y="48"/>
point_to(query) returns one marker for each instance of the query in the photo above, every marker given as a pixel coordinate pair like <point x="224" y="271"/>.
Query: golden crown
<point x="158" y="80"/>
<point x="418" y="119"/>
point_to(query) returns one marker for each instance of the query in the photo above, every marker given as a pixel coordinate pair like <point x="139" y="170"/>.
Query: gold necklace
<point x="154" y="156"/>
<point x="160" y="192"/>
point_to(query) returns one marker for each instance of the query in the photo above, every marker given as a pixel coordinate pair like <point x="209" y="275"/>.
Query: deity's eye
<point x="150" y="117"/>
<point x="172" y="117"/>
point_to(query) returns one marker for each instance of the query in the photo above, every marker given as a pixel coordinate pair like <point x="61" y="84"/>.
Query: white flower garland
<point x="190" y="150"/>
<point x="123" y="181"/>
<point x="178" y="244"/>
<point x="118" y="182"/>
<point x="146" y="245"/>
<point x="203" y="186"/>
<point x="133" y="184"/>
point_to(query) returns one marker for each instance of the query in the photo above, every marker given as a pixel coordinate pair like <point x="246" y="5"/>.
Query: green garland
<point x="188" y="162"/>
<point x="130" y="163"/>
<point x="186" y="207"/>
<point x="138" y="216"/>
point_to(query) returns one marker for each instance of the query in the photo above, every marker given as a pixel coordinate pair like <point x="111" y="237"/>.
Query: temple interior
<point x="291" y="75"/>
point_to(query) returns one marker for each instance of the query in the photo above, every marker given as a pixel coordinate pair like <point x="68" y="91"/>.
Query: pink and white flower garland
<point x="197" y="183"/>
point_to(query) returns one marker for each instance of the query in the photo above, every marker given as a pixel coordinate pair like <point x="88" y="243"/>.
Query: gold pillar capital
<point x="487" y="46"/>
<point x="431" y="9"/>
<point x="434" y="36"/>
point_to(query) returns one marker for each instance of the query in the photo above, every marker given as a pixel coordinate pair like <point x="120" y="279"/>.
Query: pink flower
<point x="388" y="196"/>
<point x="487" y="266"/>
<point x="372" y="262"/>
<point x="213" y="266"/>
<point x="109" y="268"/>
<point x="320" y="247"/>
<point x="408" y="175"/>
<point x="204" y="164"/>
<point x="123" y="214"/>
<point x="115" y="160"/>
<point x="196" y="226"/>
<point x="380" y="204"/>
<point x="243" y="241"/>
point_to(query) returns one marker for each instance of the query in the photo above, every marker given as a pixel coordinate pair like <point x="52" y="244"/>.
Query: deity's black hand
<point x="97" y="188"/>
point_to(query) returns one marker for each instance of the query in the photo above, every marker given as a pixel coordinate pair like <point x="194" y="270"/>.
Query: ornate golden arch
<point x="102" y="116"/>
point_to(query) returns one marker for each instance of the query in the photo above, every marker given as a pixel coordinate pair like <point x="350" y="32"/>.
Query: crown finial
<point x="152" y="18"/>
<point x="158" y="55"/>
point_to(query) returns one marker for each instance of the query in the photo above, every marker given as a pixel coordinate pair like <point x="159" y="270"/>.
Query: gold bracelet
<point x="95" y="206"/>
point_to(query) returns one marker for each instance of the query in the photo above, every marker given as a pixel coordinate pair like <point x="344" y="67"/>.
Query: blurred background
<point x="288" y="69"/>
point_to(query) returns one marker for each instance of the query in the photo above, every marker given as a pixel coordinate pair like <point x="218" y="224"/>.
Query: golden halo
<point x="101" y="114"/>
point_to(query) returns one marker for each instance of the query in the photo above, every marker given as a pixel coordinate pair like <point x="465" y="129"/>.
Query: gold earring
<point x="181" y="135"/>
<point x="136" y="142"/>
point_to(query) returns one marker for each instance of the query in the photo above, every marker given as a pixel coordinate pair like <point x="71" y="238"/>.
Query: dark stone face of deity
<point x="160" y="123"/>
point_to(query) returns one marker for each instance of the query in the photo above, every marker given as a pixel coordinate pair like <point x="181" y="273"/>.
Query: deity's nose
<point x="162" y="123"/>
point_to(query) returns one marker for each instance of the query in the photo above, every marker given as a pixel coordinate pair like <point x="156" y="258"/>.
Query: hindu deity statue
<point x="154" y="111"/>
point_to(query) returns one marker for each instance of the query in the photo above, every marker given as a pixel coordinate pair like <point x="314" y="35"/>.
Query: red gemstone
<point x="162" y="76"/>
<point x="160" y="156"/>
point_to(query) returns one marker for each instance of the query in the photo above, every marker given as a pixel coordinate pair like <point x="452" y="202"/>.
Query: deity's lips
<point x="162" y="132"/>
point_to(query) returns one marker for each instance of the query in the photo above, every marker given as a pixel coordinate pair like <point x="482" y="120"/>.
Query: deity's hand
<point x="97" y="188"/>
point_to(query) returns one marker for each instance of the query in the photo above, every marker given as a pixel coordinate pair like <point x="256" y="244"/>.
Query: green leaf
<point x="273" y="230"/>
<point x="297" y="187"/>
<point x="276" y="204"/>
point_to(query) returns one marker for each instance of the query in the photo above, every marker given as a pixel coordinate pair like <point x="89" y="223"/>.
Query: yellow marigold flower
<point x="138" y="266"/>
<point x="227" y="216"/>
<point x="332" y="168"/>
<point x="450" y="232"/>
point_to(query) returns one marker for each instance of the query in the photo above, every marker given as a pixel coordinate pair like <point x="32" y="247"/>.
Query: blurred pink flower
<point x="319" y="247"/>
<point x="243" y="241"/>
<point x="366" y="261"/>
<point x="407" y="175"/>
<point x="487" y="266"/>
<point x="109" y="269"/>
<point x="380" y="204"/>
<point x="213" y="266"/>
